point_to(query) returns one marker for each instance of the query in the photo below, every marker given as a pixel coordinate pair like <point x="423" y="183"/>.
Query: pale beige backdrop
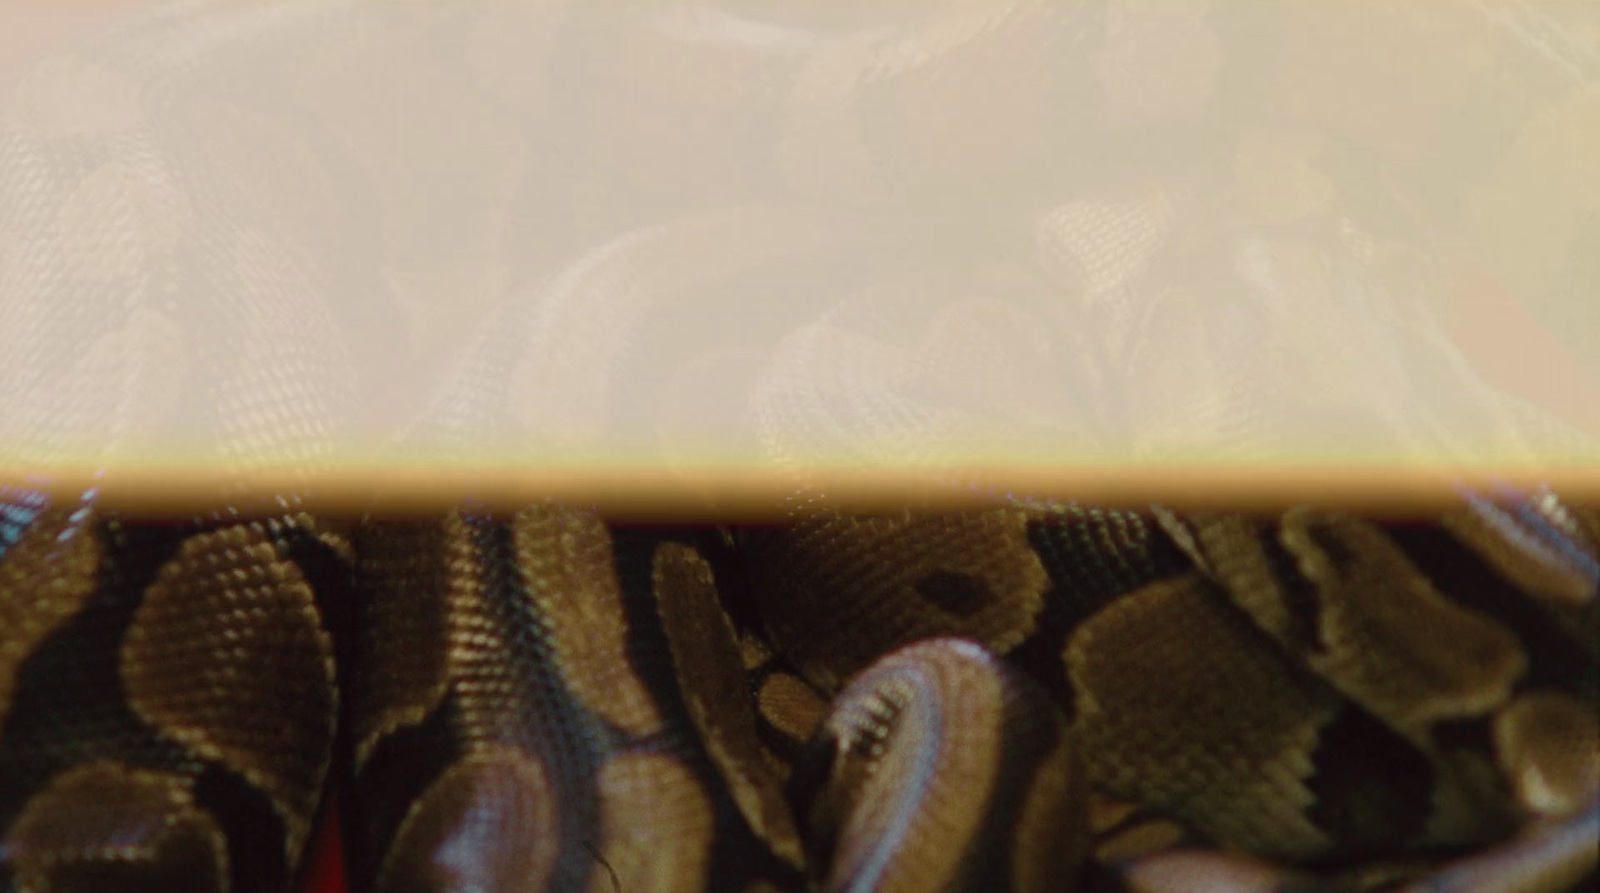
<point x="777" y="237"/>
<point x="30" y="29"/>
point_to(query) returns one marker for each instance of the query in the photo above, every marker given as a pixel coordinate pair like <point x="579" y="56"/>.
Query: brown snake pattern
<point x="543" y="701"/>
<point x="1036" y="696"/>
<point x="168" y="697"/>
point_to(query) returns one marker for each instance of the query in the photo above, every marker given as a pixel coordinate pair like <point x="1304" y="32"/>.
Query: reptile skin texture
<point x="336" y="334"/>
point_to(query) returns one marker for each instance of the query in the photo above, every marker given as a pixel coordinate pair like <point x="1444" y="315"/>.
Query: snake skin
<point x="169" y="699"/>
<point x="1035" y="696"/>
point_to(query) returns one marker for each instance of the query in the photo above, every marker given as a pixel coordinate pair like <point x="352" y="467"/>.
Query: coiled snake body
<point x="1034" y="696"/>
<point x="544" y="701"/>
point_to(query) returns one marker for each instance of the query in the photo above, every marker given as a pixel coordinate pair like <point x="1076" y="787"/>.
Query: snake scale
<point x="1037" y="695"/>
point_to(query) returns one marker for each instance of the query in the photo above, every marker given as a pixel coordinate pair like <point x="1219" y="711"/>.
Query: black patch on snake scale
<point x="401" y="765"/>
<point x="399" y="769"/>
<point x="634" y="549"/>
<point x="570" y="742"/>
<point x="738" y="602"/>
<point x="333" y="586"/>
<point x="1298" y="594"/>
<point x="253" y="829"/>
<point x="549" y="727"/>
<point x="813" y="766"/>
<point x="736" y="595"/>
<point x="1333" y="547"/>
<point x="1556" y="660"/>
<point x="1472" y="734"/>
<point x="736" y="850"/>
<point x="1092" y="557"/>
<point x="1373" y="789"/>
<point x="961" y="594"/>
<point x="1040" y="655"/>
<point x="70" y="709"/>
<point x="244" y="810"/>
<point x="1024" y="745"/>
<point x="1097" y="877"/>
<point x="734" y="588"/>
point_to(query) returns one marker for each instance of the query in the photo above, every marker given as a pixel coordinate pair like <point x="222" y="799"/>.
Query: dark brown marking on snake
<point x="1260" y="575"/>
<point x="328" y="561"/>
<point x="492" y="696"/>
<point x="960" y="594"/>
<point x="710" y="673"/>
<point x="1303" y="630"/>
<point x="1040" y="654"/>
<point x="1393" y="642"/>
<point x="1092" y="556"/>
<point x="1172" y="669"/>
<point x="753" y="837"/>
<point x="59" y="545"/>
<point x="517" y="621"/>
<point x="224" y="607"/>
<point x="1560" y="657"/>
<point x="398" y="671"/>
<point x="836" y="591"/>
<point x="71" y="690"/>
<point x="398" y="769"/>
<point x="67" y="709"/>
<point x="1372" y="789"/>
<point x="1482" y="805"/>
<point x="252" y="820"/>
<point x="1035" y="832"/>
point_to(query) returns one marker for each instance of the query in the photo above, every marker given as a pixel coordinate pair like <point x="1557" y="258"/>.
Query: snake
<point x="1035" y="695"/>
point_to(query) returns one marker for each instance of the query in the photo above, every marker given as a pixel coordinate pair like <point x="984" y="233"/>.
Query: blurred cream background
<point x="780" y="236"/>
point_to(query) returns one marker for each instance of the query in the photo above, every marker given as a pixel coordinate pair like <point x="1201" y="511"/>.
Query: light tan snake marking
<point x="1045" y="697"/>
<point x="168" y="695"/>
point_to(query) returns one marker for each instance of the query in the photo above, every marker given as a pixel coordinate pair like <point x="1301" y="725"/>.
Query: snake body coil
<point x="168" y="697"/>
<point x="1034" y="696"/>
<point x="544" y="701"/>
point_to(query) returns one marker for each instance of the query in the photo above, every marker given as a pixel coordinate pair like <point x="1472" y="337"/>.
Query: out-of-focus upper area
<point x="778" y="236"/>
